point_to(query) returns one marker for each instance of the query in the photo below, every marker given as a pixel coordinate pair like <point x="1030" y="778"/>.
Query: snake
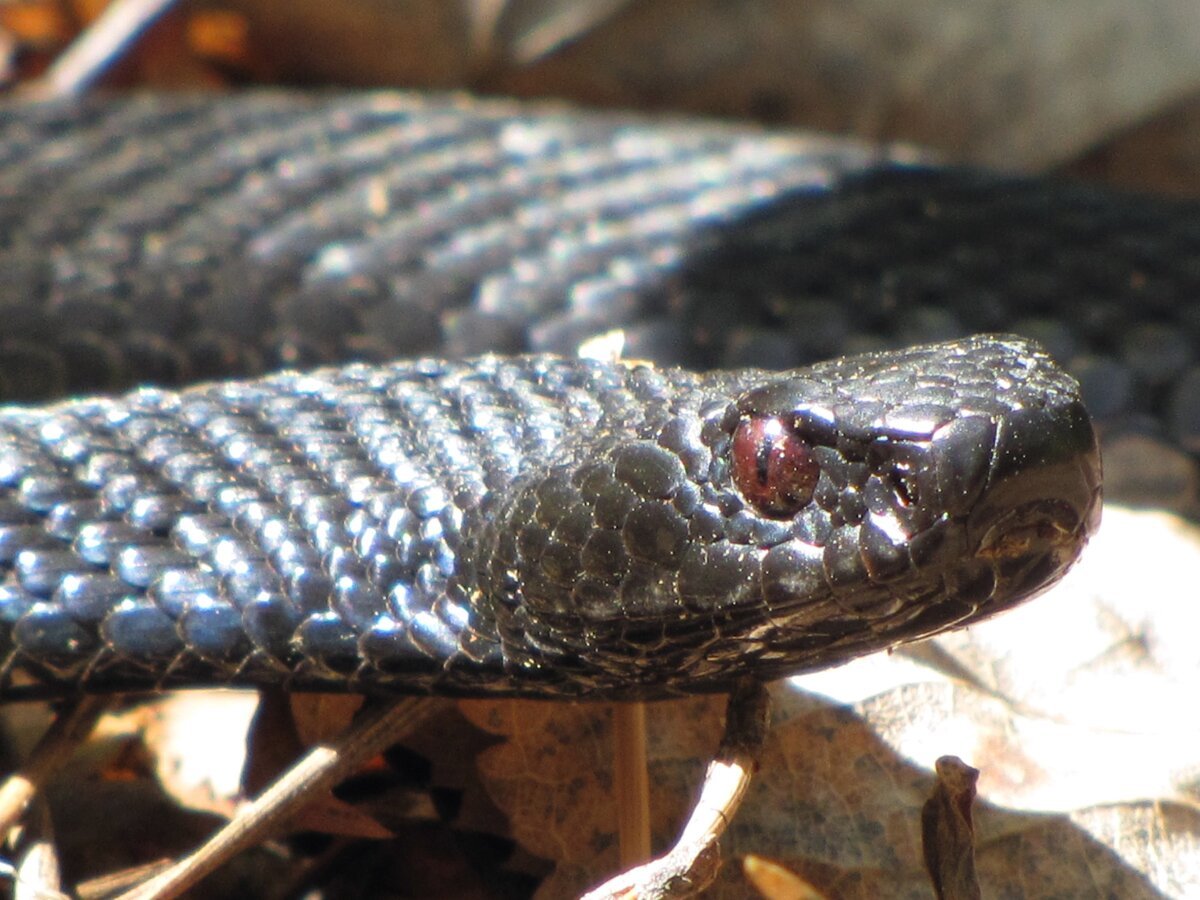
<point x="318" y="391"/>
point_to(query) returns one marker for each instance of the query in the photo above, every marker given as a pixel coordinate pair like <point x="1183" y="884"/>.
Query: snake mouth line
<point x="1052" y="527"/>
<point x="1042" y="503"/>
<point x="1029" y="549"/>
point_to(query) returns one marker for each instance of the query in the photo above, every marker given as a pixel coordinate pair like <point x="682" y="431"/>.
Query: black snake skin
<point x="533" y="526"/>
<point x="537" y="526"/>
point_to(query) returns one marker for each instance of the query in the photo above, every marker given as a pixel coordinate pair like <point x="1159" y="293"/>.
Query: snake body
<point x="539" y="525"/>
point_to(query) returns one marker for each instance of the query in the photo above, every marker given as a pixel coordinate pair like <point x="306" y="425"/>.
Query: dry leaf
<point x="198" y="742"/>
<point x="948" y="833"/>
<point x="321" y="718"/>
<point x="1076" y="709"/>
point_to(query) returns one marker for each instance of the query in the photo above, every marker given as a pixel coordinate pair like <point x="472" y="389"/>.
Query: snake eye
<point x="773" y="468"/>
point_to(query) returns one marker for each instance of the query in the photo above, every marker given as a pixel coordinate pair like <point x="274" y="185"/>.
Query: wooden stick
<point x="95" y="51"/>
<point x="69" y="729"/>
<point x="692" y="864"/>
<point x="318" y="770"/>
<point x="37" y="875"/>
<point x="632" y="782"/>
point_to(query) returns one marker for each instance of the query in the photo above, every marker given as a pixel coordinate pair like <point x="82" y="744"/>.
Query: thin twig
<point x="693" y="863"/>
<point x="109" y="884"/>
<point x="37" y="875"/>
<point x="569" y="23"/>
<point x="632" y="780"/>
<point x="69" y="729"/>
<point x="318" y="770"/>
<point x="95" y="51"/>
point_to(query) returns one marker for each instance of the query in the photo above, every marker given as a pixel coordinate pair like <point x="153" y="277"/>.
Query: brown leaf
<point x="328" y="815"/>
<point x="947" y="833"/>
<point x="1050" y="701"/>
<point x="321" y="718"/>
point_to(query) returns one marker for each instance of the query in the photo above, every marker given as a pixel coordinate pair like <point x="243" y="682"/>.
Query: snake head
<point x="936" y="487"/>
<point x="765" y="524"/>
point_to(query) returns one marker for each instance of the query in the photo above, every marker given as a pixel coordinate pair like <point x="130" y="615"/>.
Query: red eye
<point x="774" y="469"/>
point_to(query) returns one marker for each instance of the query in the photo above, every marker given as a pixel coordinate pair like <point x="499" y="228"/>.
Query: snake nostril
<point x="904" y="484"/>
<point x="900" y="478"/>
<point x="773" y="468"/>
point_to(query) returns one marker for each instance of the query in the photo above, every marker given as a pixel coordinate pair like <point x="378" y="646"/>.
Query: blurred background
<point x="1098" y="88"/>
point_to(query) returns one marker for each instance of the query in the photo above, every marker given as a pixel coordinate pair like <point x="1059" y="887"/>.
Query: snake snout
<point x="1042" y="499"/>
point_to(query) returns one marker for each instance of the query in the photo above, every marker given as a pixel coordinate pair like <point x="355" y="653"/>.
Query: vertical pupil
<point x="772" y="450"/>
